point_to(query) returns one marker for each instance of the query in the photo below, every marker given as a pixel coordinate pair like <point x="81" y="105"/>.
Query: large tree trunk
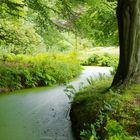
<point x="128" y="14"/>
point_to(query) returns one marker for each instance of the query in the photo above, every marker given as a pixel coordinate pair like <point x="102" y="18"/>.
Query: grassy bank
<point x="26" y="71"/>
<point x="101" y="114"/>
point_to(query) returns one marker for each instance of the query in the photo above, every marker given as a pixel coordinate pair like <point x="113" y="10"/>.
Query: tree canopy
<point x="26" y="26"/>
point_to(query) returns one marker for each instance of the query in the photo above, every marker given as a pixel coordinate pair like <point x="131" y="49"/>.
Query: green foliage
<point x="89" y="134"/>
<point x="116" y="131"/>
<point x="98" y="21"/>
<point x="101" y="60"/>
<point x="17" y="34"/>
<point x="29" y="26"/>
<point x="12" y="8"/>
<point x="93" y="19"/>
<point x="114" y="115"/>
<point x="70" y="91"/>
<point x="22" y="71"/>
<point x="19" y="38"/>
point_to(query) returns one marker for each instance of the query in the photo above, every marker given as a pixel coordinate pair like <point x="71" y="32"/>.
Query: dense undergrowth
<point x="105" y="59"/>
<point x="101" y="114"/>
<point x="26" y="71"/>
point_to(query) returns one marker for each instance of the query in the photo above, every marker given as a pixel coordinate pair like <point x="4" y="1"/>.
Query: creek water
<point x="41" y="114"/>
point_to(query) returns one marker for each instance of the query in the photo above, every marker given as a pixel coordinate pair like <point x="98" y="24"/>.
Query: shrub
<point x="101" y="60"/>
<point x="25" y="71"/>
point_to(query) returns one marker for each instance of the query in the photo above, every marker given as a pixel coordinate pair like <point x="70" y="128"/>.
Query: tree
<point x="98" y="22"/>
<point x="17" y="34"/>
<point x="128" y="14"/>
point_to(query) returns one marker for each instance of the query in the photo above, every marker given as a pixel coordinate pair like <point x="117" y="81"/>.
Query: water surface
<point x="41" y="114"/>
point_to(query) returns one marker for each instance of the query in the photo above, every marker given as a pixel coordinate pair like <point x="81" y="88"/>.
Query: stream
<point x="41" y="114"/>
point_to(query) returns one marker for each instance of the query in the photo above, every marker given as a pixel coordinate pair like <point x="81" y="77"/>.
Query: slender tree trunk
<point x="128" y="14"/>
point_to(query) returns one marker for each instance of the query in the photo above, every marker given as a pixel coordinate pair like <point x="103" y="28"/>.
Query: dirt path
<point x="40" y="115"/>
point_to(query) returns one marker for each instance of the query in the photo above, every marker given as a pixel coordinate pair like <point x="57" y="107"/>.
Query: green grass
<point x="106" y="114"/>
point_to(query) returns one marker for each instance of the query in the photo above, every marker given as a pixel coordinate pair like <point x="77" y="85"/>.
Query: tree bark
<point x="128" y="15"/>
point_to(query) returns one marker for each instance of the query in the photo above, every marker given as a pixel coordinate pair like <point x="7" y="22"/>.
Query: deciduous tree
<point x="128" y="14"/>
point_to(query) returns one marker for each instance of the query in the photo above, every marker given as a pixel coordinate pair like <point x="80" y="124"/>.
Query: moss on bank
<point x="113" y="115"/>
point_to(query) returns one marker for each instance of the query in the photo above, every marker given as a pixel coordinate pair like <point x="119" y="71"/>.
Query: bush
<point x="24" y="71"/>
<point x="101" y="60"/>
